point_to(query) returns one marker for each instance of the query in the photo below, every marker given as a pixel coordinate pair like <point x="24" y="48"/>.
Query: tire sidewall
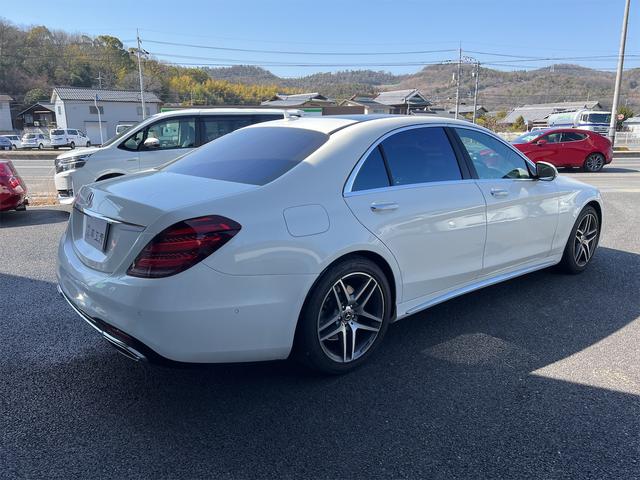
<point x="307" y="346"/>
<point x="568" y="259"/>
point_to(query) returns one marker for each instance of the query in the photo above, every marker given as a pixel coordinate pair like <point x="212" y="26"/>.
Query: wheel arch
<point x="108" y="175"/>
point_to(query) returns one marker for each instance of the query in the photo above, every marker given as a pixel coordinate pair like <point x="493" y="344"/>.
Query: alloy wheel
<point x="594" y="162"/>
<point x="351" y="317"/>
<point x="585" y="239"/>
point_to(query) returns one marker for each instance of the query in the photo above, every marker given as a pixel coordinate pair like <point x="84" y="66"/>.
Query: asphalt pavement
<point x="538" y="377"/>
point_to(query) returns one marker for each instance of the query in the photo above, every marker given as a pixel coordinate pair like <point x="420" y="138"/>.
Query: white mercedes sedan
<point x="307" y="237"/>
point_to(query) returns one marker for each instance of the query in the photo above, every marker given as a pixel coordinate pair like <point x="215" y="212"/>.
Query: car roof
<point x="332" y="123"/>
<point x="227" y="111"/>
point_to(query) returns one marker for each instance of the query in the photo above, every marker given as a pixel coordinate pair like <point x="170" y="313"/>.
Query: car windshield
<point x="57" y="132"/>
<point x="599" y="118"/>
<point x="30" y="135"/>
<point x="527" y="137"/>
<point x="255" y="156"/>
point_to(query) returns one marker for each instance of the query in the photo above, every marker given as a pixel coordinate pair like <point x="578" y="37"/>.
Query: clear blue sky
<point x="539" y="28"/>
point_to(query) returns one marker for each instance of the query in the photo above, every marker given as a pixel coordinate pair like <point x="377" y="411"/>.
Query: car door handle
<point x="499" y="192"/>
<point x="383" y="207"/>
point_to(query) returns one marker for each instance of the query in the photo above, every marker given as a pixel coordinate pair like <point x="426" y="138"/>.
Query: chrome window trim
<point x="347" y="190"/>
<point x="531" y="164"/>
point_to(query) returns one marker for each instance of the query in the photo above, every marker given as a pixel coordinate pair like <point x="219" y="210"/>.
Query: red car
<point x="13" y="191"/>
<point x="566" y="147"/>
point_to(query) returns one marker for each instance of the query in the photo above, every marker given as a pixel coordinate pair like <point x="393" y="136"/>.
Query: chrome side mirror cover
<point x="545" y="171"/>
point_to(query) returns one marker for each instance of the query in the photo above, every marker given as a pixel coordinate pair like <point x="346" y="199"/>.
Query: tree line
<point x="35" y="59"/>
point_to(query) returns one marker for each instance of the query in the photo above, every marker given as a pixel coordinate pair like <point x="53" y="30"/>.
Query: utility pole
<point x="458" y="79"/>
<point x="144" y="113"/>
<point x="99" y="80"/>
<point x="616" y="92"/>
<point x="475" y="93"/>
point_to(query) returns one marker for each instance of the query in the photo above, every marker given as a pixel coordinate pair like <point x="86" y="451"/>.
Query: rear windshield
<point x="255" y="156"/>
<point x="57" y="132"/>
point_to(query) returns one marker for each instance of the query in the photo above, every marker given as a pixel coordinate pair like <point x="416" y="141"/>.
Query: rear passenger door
<point x="414" y="195"/>
<point x="572" y="149"/>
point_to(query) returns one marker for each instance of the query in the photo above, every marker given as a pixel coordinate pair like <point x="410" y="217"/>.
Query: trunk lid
<point x="122" y="208"/>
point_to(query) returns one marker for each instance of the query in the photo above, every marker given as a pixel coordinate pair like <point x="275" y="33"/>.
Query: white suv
<point x="68" y="137"/>
<point x="15" y="141"/>
<point x="153" y="142"/>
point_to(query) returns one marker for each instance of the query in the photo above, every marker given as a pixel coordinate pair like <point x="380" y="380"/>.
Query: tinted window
<point x="552" y="137"/>
<point x="573" y="136"/>
<point x="372" y="174"/>
<point x="72" y="132"/>
<point x="255" y="155"/>
<point x="492" y="158"/>
<point x="214" y="127"/>
<point x="420" y="155"/>
<point x="57" y="132"/>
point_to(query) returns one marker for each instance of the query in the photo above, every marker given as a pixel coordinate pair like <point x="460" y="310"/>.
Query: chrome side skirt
<point x="476" y="286"/>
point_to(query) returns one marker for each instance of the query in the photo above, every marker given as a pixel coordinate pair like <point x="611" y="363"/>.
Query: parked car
<point x="36" y="140"/>
<point x="567" y="147"/>
<point x="68" y="137"/>
<point x="13" y="190"/>
<point x="310" y="236"/>
<point x="5" y="143"/>
<point x="158" y="139"/>
<point x="15" y="141"/>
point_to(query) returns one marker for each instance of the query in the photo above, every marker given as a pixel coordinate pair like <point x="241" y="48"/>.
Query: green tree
<point x="519" y="125"/>
<point x="36" y="95"/>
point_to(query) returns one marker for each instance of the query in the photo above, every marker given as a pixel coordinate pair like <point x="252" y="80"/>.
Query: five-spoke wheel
<point x="345" y="316"/>
<point x="582" y="242"/>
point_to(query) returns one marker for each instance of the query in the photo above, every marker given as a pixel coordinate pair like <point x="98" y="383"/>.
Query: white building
<point x="5" y="114"/>
<point x="76" y="108"/>
<point x="632" y="124"/>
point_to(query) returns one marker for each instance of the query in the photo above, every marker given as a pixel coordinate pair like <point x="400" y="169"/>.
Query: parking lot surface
<point x="537" y="377"/>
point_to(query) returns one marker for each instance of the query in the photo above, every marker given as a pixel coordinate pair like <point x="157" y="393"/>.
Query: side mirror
<point x="151" y="143"/>
<point x="545" y="171"/>
<point x="542" y="141"/>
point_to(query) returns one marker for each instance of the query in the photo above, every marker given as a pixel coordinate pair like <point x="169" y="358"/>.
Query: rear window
<point x="57" y="132"/>
<point x="255" y="156"/>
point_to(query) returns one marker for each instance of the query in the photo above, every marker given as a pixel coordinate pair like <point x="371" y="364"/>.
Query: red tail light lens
<point x="182" y="245"/>
<point x="14" y="182"/>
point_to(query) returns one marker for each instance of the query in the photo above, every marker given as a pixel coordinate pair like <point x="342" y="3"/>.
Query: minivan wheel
<point x="594" y="162"/>
<point x="40" y="147"/>
<point x="582" y="242"/>
<point x="345" y="317"/>
<point x="14" y="147"/>
<point x="72" y="145"/>
<point x="88" y="144"/>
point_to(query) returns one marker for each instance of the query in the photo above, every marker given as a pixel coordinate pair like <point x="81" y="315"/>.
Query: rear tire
<point x="582" y="243"/>
<point x="594" y="162"/>
<point x="345" y="317"/>
<point x="88" y="144"/>
<point x="40" y="147"/>
<point x="72" y="145"/>
<point x="14" y="147"/>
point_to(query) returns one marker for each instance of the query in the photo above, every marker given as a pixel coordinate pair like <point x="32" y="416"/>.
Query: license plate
<point x="95" y="232"/>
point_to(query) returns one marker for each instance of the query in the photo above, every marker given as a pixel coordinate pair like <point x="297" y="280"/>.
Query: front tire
<point x="594" y="162"/>
<point x="14" y="147"/>
<point x="72" y="145"/>
<point x="345" y="317"/>
<point x="40" y="147"/>
<point x="88" y="144"/>
<point x="582" y="242"/>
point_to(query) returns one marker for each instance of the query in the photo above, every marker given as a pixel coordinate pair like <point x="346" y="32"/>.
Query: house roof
<point x="42" y="105"/>
<point x="283" y="100"/>
<point x="467" y="109"/>
<point x="400" y="97"/>
<point x="365" y="101"/>
<point x="89" y="94"/>
<point x="540" y="111"/>
<point x="5" y="98"/>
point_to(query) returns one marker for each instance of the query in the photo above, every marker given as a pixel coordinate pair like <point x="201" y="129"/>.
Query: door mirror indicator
<point x="545" y="171"/>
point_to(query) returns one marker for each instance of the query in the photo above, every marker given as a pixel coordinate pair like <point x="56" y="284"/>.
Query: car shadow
<point x="457" y="391"/>
<point x="33" y="216"/>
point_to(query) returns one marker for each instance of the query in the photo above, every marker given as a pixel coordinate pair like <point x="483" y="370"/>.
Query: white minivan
<point x="68" y="137"/>
<point x="157" y="140"/>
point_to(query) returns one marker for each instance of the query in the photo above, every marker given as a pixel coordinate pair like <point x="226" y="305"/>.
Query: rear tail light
<point x="14" y="182"/>
<point x="182" y="245"/>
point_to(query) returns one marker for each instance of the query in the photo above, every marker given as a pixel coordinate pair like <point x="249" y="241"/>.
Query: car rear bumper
<point x="197" y="316"/>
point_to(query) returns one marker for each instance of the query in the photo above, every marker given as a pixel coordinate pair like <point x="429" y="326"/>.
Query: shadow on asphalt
<point x="450" y="394"/>
<point x="33" y="216"/>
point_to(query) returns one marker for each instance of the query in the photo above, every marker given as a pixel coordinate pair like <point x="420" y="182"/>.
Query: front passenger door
<point x="522" y="212"/>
